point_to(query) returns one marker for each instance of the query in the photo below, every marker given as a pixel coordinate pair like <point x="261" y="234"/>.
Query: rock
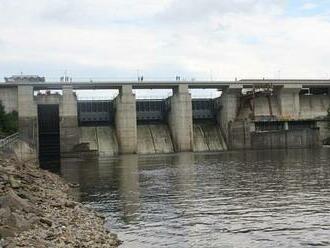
<point x="13" y="201"/>
<point x="14" y="183"/>
<point x="46" y="221"/>
<point x="13" y="224"/>
<point x="74" y="185"/>
<point x="36" y="210"/>
<point x="70" y="204"/>
<point x="4" y="213"/>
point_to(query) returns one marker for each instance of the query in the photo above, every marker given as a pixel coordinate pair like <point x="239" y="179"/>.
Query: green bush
<point x="8" y="122"/>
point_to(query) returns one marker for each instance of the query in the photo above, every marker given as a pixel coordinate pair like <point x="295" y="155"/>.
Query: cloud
<point x="186" y="11"/>
<point x="309" y="6"/>
<point x="228" y="39"/>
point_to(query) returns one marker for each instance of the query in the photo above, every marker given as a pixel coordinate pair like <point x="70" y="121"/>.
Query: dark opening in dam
<point x="49" y="136"/>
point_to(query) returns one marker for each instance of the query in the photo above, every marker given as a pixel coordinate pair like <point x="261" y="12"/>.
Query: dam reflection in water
<point x="231" y="199"/>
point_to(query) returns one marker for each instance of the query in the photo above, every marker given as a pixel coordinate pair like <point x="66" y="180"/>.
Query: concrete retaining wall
<point x="305" y="138"/>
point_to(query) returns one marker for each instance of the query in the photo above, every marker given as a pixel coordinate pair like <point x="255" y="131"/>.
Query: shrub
<point x="8" y="121"/>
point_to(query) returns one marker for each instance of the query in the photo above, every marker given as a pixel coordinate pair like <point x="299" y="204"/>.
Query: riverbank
<point x="36" y="210"/>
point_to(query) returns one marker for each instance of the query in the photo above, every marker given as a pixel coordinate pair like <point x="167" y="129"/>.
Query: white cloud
<point x="240" y="38"/>
<point x="309" y="6"/>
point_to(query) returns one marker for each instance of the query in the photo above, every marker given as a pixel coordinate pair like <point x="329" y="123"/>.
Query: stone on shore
<point x="36" y="210"/>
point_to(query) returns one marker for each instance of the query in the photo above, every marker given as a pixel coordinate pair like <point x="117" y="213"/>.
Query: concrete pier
<point x="180" y="119"/>
<point x="69" y="132"/>
<point x="229" y="102"/>
<point x="125" y="120"/>
<point x="27" y="122"/>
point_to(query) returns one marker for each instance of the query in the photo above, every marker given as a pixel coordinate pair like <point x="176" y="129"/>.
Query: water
<point x="231" y="199"/>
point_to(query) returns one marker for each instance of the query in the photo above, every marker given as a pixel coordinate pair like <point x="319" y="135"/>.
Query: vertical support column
<point x="27" y="123"/>
<point x="125" y="120"/>
<point x="69" y="132"/>
<point x="229" y="102"/>
<point x="180" y="119"/>
<point x="288" y="99"/>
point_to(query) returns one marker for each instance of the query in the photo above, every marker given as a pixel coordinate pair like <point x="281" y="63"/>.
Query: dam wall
<point x="310" y="107"/>
<point x="285" y="109"/>
<point x="306" y="138"/>
<point x="208" y="137"/>
<point x="102" y="140"/>
<point x="268" y="108"/>
<point x="154" y="139"/>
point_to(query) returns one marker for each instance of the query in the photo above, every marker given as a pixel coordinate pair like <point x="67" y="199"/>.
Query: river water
<point x="231" y="199"/>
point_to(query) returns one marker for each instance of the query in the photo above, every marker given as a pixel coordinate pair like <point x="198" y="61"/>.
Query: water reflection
<point x="233" y="199"/>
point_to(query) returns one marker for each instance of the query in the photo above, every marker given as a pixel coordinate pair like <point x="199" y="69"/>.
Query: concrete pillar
<point x="27" y="122"/>
<point x="8" y="99"/>
<point x="288" y="99"/>
<point x="229" y="102"/>
<point x="69" y="132"/>
<point x="125" y="120"/>
<point x="180" y="119"/>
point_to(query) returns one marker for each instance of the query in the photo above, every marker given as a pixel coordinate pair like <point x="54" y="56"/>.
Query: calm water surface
<point x="234" y="199"/>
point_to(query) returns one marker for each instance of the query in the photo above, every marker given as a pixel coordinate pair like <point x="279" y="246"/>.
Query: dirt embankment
<point x="37" y="211"/>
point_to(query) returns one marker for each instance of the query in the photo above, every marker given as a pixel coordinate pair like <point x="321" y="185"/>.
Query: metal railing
<point x="9" y="141"/>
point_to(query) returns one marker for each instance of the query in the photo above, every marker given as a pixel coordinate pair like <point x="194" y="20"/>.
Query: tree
<point x="8" y="122"/>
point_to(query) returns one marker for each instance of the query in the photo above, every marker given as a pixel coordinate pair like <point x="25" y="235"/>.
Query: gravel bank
<point x="36" y="210"/>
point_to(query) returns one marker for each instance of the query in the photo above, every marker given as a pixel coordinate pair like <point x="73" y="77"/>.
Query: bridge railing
<point x="9" y="141"/>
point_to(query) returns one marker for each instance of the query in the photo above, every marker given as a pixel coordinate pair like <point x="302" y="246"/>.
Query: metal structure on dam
<point x="249" y="114"/>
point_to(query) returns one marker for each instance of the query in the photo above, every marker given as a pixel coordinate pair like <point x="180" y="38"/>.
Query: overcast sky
<point x="201" y="39"/>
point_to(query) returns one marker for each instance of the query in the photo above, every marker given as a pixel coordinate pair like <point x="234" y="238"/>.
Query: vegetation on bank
<point x="327" y="141"/>
<point x="8" y="122"/>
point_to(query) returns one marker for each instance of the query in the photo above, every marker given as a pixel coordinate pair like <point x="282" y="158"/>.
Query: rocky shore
<point x="36" y="210"/>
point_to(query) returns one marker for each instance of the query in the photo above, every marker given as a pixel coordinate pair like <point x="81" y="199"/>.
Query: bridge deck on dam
<point x="56" y="85"/>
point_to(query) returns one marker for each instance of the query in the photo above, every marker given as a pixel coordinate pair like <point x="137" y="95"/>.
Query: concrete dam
<point x="249" y="114"/>
<point x="98" y="132"/>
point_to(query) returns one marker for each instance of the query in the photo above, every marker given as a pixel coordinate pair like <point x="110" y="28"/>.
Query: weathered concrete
<point x="314" y="106"/>
<point x="68" y="120"/>
<point x="305" y="138"/>
<point x="103" y="140"/>
<point x="263" y="107"/>
<point x="239" y="134"/>
<point x="289" y="101"/>
<point x="125" y="120"/>
<point x="154" y="138"/>
<point x="180" y="119"/>
<point x="27" y="120"/>
<point x="229" y="102"/>
<point x="324" y="127"/>
<point x="8" y="98"/>
<point x="208" y="137"/>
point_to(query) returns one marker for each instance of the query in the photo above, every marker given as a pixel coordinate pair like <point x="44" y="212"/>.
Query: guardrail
<point x="9" y="141"/>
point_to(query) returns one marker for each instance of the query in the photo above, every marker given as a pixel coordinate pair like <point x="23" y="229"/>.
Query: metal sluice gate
<point x="100" y="112"/>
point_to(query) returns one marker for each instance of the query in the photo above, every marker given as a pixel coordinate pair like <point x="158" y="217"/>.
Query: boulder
<point x="14" y="202"/>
